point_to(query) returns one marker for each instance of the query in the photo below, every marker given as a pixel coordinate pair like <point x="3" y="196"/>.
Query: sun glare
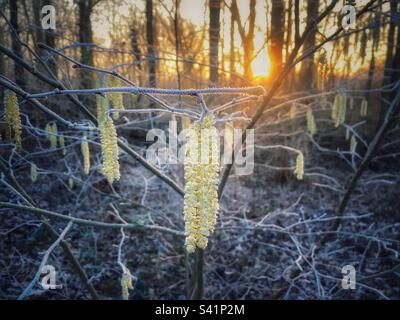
<point x="261" y="64"/>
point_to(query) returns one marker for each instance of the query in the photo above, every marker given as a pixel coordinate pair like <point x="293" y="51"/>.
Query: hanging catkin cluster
<point x="13" y="118"/>
<point x="185" y="123"/>
<point x="61" y="141"/>
<point x="364" y="108"/>
<point x="323" y="102"/>
<point x="311" y="125"/>
<point x="116" y="98"/>
<point x="339" y="109"/>
<point x="109" y="147"/>
<point x="70" y="183"/>
<point x="201" y="189"/>
<point x="86" y="154"/>
<point x="34" y="173"/>
<point x="51" y="133"/>
<point x="353" y="144"/>
<point x="126" y="284"/>
<point x="292" y="111"/>
<point x="351" y="102"/>
<point x="299" y="171"/>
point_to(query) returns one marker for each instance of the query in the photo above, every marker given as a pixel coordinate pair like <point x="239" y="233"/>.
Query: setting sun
<point x="261" y="64"/>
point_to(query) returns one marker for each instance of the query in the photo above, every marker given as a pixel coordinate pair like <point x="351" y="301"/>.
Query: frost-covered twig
<point x="35" y="279"/>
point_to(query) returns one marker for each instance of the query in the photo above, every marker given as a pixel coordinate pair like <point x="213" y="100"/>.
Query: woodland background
<point x="276" y="237"/>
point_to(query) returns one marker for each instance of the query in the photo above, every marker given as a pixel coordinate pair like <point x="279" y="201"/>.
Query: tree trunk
<point x="277" y="36"/>
<point x="307" y="66"/>
<point x="215" y="9"/>
<point x="232" y="50"/>
<point x="247" y="38"/>
<point x="36" y="8"/>
<point x="249" y="43"/>
<point x="50" y="40"/>
<point x="85" y="36"/>
<point x="150" y="43"/>
<point x="2" y="64"/>
<point x="390" y="41"/>
<point x="135" y="46"/>
<point x="296" y="22"/>
<point x="395" y="74"/>
<point x="43" y="36"/>
<point x="16" y="46"/>
<point x="177" y="44"/>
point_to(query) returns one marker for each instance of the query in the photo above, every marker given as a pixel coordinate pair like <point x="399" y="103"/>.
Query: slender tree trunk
<point x="296" y="22"/>
<point x="85" y="36"/>
<point x="215" y="9"/>
<point x="2" y="64"/>
<point x="390" y="44"/>
<point x="135" y="47"/>
<point x="16" y="46"/>
<point x="374" y="117"/>
<point x="232" y="50"/>
<point x="150" y="43"/>
<point x="177" y="43"/>
<point x="50" y="40"/>
<point x="36" y="8"/>
<point x="307" y="66"/>
<point x="247" y="38"/>
<point x="249" y="43"/>
<point x="43" y="36"/>
<point x="289" y="29"/>
<point x="277" y="36"/>
<point x="395" y="74"/>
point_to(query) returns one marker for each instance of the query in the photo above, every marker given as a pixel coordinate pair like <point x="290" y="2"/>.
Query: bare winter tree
<point x="215" y="9"/>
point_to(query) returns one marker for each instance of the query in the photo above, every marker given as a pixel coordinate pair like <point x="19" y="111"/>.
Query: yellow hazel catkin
<point x="353" y="144"/>
<point x="126" y="284"/>
<point x="299" y="171"/>
<point x="201" y="189"/>
<point x="34" y="173"/>
<point x="86" y="154"/>
<point x="71" y="183"/>
<point x="109" y="146"/>
<point x="61" y="141"/>
<point x="292" y="111"/>
<point x="339" y="109"/>
<point x="51" y="133"/>
<point x="364" y="108"/>
<point x="311" y="126"/>
<point x="13" y="118"/>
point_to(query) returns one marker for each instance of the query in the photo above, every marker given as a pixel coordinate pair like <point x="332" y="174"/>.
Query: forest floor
<point x="263" y="229"/>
